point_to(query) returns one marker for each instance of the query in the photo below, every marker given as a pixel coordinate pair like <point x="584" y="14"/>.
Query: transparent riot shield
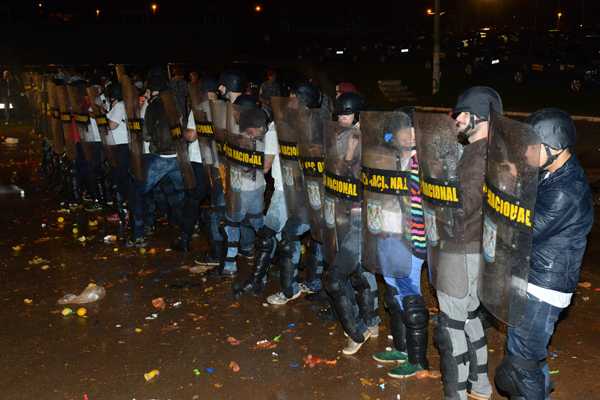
<point x="81" y="117"/>
<point x="244" y="160"/>
<point x="134" y="124"/>
<point x="343" y="189"/>
<point x="386" y="208"/>
<point x="291" y="123"/>
<point x="176" y="131"/>
<point x="204" y="126"/>
<point x="510" y="195"/>
<point x="58" y="139"/>
<point x="218" y="112"/>
<point x="312" y="161"/>
<point x="97" y="112"/>
<point x="65" y="120"/>
<point x="439" y="154"/>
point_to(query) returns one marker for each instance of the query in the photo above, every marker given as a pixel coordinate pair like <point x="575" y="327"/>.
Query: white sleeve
<point x="191" y="122"/>
<point x="271" y="143"/>
<point x="117" y="113"/>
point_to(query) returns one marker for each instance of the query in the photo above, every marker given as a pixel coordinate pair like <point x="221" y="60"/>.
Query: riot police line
<point x="499" y="209"/>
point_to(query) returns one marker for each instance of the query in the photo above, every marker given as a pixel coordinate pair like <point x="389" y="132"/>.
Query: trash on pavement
<point x="159" y="303"/>
<point x="148" y="376"/>
<point x="235" y="367"/>
<point x="90" y="294"/>
<point x="312" y="361"/>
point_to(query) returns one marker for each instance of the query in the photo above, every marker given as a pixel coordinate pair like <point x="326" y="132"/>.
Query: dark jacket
<point x="471" y="173"/>
<point x="563" y="217"/>
<point x="156" y="128"/>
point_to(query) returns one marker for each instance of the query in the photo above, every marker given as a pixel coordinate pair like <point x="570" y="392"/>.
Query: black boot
<point x="265" y="245"/>
<point x="416" y="319"/>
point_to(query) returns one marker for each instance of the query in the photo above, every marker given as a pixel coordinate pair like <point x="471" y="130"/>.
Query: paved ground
<point x="193" y="341"/>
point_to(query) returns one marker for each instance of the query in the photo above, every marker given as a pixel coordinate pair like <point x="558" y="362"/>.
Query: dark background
<point x="126" y="31"/>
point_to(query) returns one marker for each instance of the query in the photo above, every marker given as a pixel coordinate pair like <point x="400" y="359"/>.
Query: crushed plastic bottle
<point x="90" y="294"/>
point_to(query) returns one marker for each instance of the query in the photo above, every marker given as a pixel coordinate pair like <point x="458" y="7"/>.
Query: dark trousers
<point x="193" y="198"/>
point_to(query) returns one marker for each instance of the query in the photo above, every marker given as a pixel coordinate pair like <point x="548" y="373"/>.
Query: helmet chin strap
<point x="551" y="157"/>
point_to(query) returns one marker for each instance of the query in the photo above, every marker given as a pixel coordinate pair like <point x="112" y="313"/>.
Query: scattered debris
<point x="110" y="239"/>
<point x="427" y="373"/>
<point x="159" y="303"/>
<point x="90" y="294"/>
<point x="28" y="301"/>
<point x="312" y="361"/>
<point x="66" y="312"/>
<point x="235" y="367"/>
<point x="265" y="345"/>
<point x="233" y="341"/>
<point x="81" y="311"/>
<point x="37" y="260"/>
<point x="148" y="376"/>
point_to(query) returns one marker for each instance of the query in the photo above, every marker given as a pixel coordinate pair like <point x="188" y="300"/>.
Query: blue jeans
<point x="158" y="169"/>
<point x="251" y="213"/>
<point x="406" y="286"/>
<point x="529" y="340"/>
<point x="217" y="206"/>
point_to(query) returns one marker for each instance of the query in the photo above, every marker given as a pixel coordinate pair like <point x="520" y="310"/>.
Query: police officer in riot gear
<point x="457" y="262"/>
<point x="350" y="286"/>
<point x="562" y="219"/>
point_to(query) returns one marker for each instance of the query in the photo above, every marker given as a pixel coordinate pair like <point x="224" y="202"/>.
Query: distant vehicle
<point x="486" y="52"/>
<point x="572" y="60"/>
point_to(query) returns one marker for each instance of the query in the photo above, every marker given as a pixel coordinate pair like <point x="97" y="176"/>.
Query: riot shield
<point x="65" y="120"/>
<point x="218" y="112"/>
<point x="245" y="161"/>
<point x="97" y="112"/>
<point x="439" y="154"/>
<point x="291" y="123"/>
<point x="204" y="126"/>
<point x="510" y="194"/>
<point x="343" y="188"/>
<point x="386" y="207"/>
<point x="181" y="145"/>
<point x="76" y="93"/>
<point x="312" y="162"/>
<point x="134" y="124"/>
<point x="58" y="139"/>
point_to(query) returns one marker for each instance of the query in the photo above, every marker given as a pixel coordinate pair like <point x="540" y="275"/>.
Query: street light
<point x="558" y="17"/>
<point x="154" y="8"/>
<point x="258" y="8"/>
<point x="97" y="12"/>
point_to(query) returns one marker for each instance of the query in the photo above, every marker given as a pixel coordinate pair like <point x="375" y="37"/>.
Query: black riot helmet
<point x="555" y="129"/>
<point x="232" y="80"/>
<point x="247" y="101"/>
<point x="349" y="103"/>
<point x="115" y="93"/>
<point x="308" y="94"/>
<point x="478" y="101"/>
<point x="208" y="84"/>
<point x="157" y="79"/>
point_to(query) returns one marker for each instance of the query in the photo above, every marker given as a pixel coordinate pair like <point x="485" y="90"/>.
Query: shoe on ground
<point x="471" y="395"/>
<point x="304" y="288"/>
<point x="93" y="207"/>
<point x="139" y="242"/>
<point x="279" y="299"/>
<point x="353" y="347"/>
<point x="406" y="370"/>
<point x="390" y="357"/>
<point x="247" y="254"/>
<point x="374" y="330"/>
<point x="207" y="260"/>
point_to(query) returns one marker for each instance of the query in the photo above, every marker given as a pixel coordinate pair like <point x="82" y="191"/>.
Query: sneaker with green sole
<point x="405" y="370"/>
<point x="390" y="357"/>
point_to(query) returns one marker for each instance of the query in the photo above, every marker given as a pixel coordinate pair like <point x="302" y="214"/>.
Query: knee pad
<point x="448" y="362"/>
<point x="333" y="285"/>
<point x="416" y="315"/>
<point x="265" y="239"/>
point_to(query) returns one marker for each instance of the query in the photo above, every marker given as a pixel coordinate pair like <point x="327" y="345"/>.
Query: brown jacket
<point x="471" y="173"/>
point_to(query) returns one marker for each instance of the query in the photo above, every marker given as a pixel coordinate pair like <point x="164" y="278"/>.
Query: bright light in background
<point x="404" y="51"/>
<point x="154" y="8"/>
<point x="559" y="14"/>
<point x="97" y="12"/>
<point x="340" y="52"/>
<point x="258" y="8"/>
<point x="430" y="11"/>
<point x="40" y="5"/>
